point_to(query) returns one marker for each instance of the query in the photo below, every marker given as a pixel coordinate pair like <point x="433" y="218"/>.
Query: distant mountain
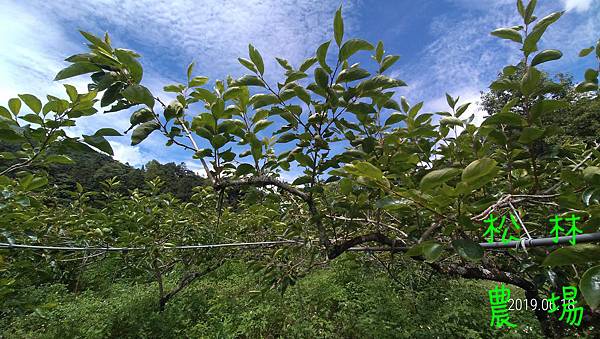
<point x="91" y="168"/>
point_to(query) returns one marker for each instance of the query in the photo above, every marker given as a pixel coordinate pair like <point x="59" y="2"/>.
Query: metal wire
<point x="539" y="242"/>
<point x="126" y="249"/>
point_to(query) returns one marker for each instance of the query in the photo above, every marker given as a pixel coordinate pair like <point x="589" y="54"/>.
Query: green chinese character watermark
<point x="492" y="229"/>
<point x="556" y="229"/>
<point x="572" y="231"/>
<point x="572" y="313"/>
<point x="499" y="297"/>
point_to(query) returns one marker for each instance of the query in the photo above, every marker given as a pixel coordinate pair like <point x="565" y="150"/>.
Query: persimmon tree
<point x="374" y="168"/>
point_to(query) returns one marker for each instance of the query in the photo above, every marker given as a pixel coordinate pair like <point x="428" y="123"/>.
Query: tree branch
<point x="263" y="180"/>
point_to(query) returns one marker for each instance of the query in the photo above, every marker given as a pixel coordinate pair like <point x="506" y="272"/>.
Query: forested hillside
<point x="90" y="169"/>
<point x="397" y="222"/>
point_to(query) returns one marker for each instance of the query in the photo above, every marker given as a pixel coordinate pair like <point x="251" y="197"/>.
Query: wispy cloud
<point x="464" y="58"/>
<point x="577" y="5"/>
<point x="452" y="49"/>
<point x="214" y="33"/>
<point x="38" y="35"/>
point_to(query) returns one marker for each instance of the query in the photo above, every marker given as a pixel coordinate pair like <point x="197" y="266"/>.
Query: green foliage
<point x="373" y="170"/>
<point x="330" y="303"/>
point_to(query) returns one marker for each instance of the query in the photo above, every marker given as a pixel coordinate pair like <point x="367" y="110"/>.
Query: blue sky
<point x="444" y="44"/>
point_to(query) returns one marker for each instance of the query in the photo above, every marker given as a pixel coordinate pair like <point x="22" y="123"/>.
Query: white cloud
<point x="577" y="5"/>
<point x="195" y="166"/>
<point x="128" y="154"/>
<point x="464" y="58"/>
<point x="214" y="33"/>
<point x="38" y="35"/>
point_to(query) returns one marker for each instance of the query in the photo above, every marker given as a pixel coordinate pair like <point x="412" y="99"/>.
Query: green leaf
<point x="5" y="113"/>
<point x="468" y="249"/>
<point x="322" y="56"/>
<point x="32" y="102"/>
<point x="204" y="95"/>
<point x="260" y="100"/>
<point x="302" y="94"/>
<point x="586" y="86"/>
<point x="437" y="177"/>
<point x="572" y="255"/>
<point x="75" y="69"/>
<point x="590" y="287"/>
<point x="508" y="33"/>
<point x="352" y="74"/>
<point x="143" y="131"/>
<point x="139" y="94"/>
<point x="140" y="116"/>
<point x="307" y="63"/>
<point x="451" y="121"/>
<point x="15" y="105"/>
<point x="413" y="111"/>
<point x="546" y="106"/>
<point x="97" y="42"/>
<point x="217" y="108"/>
<point x="36" y="183"/>
<point x="134" y="67"/>
<point x="479" y="172"/>
<point x="352" y="46"/>
<point x="338" y="26"/>
<point x="528" y="13"/>
<point x="591" y="174"/>
<point x="546" y="55"/>
<point x="360" y="108"/>
<point x="190" y="69"/>
<point x="99" y="142"/>
<point x="462" y="109"/>
<point x="530" y="134"/>
<point x="531" y="81"/>
<point x="248" y="64"/>
<point x="198" y="81"/>
<point x="451" y="102"/>
<point x="248" y="80"/>
<point x="174" y="110"/>
<point x="428" y="249"/>
<point x="286" y="137"/>
<point x="303" y="159"/>
<point x="586" y="51"/>
<point x="256" y="58"/>
<point x="387" y="62"/>
<point x="521" y="8"/>
<point x="367" y="169"/>
<point x="59" y="159"/>
<point x="33" y="118"/>
<point x="379" y="51"/>
<point x="218" y="141"/>
<point x="321" y="77"/>
<point x="530" y="43"/>
<point x="284" y="63"/>
<point x="404" y="103"/>
<point x="107" y="132"/>
<point x="395" y="118"/>
<point x="380" y="81"/>
<point x="244" y="169"/>
<point x="111" y="94"/>
<point x="262" y="124"/>
<point x="591" y="75"/>
<point x="390" y="203"/>
<point x="71" y="91"/>
<point x="509" y="118"/>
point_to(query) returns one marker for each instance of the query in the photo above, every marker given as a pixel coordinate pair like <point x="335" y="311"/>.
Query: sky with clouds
<point x="445" y="45"/>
